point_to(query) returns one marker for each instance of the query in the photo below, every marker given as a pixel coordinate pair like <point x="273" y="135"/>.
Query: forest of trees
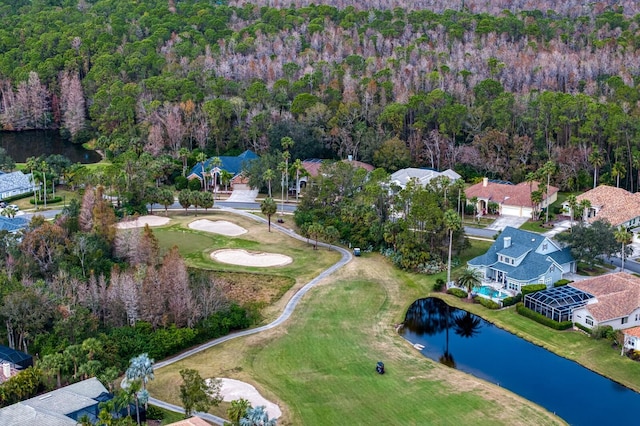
<point x="487" y="92"/>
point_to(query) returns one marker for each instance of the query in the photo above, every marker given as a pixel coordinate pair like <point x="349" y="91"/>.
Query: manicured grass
<point x="533" y="227"/>
<point x="320" y="366"/>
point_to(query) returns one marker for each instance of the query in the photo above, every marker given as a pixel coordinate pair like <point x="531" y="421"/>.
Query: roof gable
<point x="615" y="205"/>
<point x="617" y="295"/>
<point x="231" y="164"/>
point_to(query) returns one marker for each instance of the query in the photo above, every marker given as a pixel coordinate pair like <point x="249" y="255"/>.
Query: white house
<point x="512" y="200"/>
<point x="616" y="301"/>
<point x="16" y="183"/>
<point x="420" y="176"/>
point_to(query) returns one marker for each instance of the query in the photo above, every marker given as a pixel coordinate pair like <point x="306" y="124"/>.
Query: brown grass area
<point x="246" y="288"/>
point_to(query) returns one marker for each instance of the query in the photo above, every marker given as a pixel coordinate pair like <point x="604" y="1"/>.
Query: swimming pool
<point x="489" y="292"/>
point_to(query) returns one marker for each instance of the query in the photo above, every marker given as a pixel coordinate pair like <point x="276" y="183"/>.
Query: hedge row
<point x="508" y="301"/>
<point x="526" y="312"/>
<point x="487" y="303"/>
<point x="457" y="292"/>
<point x="532" y="288"/>
<point x="51" y="200"/>
<point x="562" y="282"/>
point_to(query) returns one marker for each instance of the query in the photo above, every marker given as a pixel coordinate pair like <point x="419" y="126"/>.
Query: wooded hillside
<point x="487" y="92"/>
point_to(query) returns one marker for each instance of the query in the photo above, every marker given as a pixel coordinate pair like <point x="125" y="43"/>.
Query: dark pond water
<point x="473" y="345"/>
<point x="22" y="145"/>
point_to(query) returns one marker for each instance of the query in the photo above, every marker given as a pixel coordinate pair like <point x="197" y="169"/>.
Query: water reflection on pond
<point x="33" y="143"/>
<point x="464" y="341"/>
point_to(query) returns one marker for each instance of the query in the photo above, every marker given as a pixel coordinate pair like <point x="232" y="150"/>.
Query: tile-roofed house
<point x="60" y="407"/>
<point x="632" y="338"/>
<point x="191" y="421"/>
<point x="519" y="258"/>
<point x="420" y="176"/>
<point x="617" y="206"/>
<point x="616" y="301"/>
<point x="312" y="168"/>
<point x="15" y="183"/>
<point x="512" y="200"/>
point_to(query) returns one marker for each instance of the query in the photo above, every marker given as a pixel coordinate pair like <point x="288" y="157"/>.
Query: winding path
<point x="286" y="313"/>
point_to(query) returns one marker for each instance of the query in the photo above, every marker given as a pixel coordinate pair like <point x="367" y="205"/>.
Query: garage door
<point x="511" y="211"/>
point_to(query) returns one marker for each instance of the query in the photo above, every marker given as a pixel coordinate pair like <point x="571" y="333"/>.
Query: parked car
<point x="3" y="204"/>
<point x="14" y="207"/>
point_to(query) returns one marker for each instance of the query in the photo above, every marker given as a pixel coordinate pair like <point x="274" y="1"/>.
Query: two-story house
<point x="519" y="258"/>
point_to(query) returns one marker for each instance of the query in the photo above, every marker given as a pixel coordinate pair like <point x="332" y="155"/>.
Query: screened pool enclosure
<point x="557" y="303"/>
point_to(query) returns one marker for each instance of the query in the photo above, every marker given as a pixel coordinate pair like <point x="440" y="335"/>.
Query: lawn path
<point x="286" y="313"/>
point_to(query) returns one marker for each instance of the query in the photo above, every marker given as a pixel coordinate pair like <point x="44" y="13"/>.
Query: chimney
<point x="507" y="242"/>
<point x="485" y="181"/>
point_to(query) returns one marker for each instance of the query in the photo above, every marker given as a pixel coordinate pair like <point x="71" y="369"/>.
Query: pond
<point x="467" y="342"/>
<point x="33" y="143"/>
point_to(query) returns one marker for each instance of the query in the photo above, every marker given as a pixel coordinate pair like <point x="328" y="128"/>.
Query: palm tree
<point x="225" y="179"/>
<point x="238" y="410"/>
<point x="201" y="158"/>
<point x="257" y="416"/>
<point x="618" y="170"/>
<point x="286" y="143"/>
<point x="624" y="237"/>
<point x="597" y="160"/>
<point x="140" y="368"/>
<point x="572" y="203"/>
<point x="31" y="165"/>
<point x="183" y="153"/>
<point x="298" y="167"/>
<point x="474" y="203"/>
<point x="453" y="223"/>
<point x="268" y="176"/>
<point x="315" y="231"/>
<point x="460" y="185"/>
<point x="584" y="206"/>
<point x="268" y="207"/>
<point x="216" y="162"/>
<point x="548" y="169"/>
<point x="536" y="199"/>
<point x="469" y="278"/>
<point x="286" y="156"/>
<point x="282" y="168"/>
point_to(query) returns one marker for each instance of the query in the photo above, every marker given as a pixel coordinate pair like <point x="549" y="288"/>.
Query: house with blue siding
<point x="233" y="165"/>
<point x="519" y="258"/>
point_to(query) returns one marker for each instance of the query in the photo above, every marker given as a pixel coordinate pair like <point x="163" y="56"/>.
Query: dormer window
<point x="544" y="246"/>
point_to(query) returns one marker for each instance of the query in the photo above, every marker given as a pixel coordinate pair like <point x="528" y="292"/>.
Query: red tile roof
<point x="615" y="205"/>
<point x="313" y="166"/>
<point x="618" y="295"/>
<point x="633" y="331"/>
<point x="509" y="195"/>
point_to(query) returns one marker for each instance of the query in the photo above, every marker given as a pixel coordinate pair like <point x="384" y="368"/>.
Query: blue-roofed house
<point x="13" y="224"/>
<point x="233" y="165"/>
<point x="519" y="258"/>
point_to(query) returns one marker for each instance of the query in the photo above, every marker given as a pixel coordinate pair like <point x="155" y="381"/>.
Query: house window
<point x="544" y="246"/>
<point x="553" y="268"/>
<point x="637" y="317"/>
<point x="589" y="320"/>
<point x="625" y="320"/>
<point x="512" y="261"/>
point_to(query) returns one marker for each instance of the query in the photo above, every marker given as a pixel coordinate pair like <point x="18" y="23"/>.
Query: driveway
<point x="503" y="221"/>
<point x="243" y="196"/>
<point x="558" y="227"/>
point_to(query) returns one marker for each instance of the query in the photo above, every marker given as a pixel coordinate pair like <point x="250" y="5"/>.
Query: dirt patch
<point x="245" y="258"/>
<point x="244" y="288"/>
<point x="141" y="221"/>
<point x="221" y="227"/>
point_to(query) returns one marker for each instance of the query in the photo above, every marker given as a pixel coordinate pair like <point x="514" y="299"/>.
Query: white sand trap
<point x="221" y="227"/>
<point x="141" y="221"/>
<point x="244" y="258"/>
<point x="235" y="389"/>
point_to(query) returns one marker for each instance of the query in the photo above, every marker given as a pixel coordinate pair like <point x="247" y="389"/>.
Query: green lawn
<point x="319" y="366"/>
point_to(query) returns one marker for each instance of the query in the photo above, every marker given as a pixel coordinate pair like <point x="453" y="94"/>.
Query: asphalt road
<point x="288" y="208"/>
<point x="286" y="313"/>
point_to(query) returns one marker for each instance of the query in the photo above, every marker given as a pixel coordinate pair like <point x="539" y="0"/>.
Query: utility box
<point x="356" y="251"/>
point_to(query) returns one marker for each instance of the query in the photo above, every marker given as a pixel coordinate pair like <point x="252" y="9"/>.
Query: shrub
<point x="50" y="199"/>
<point x="487" y="303"/>
<point x="532" y="288"/>
<point x="561" y="282"/>
<point x="154" y="413"/>
<point x="531" y="314"/>
<point x="439" y="285"/>
<point x="508" y="301"/>
<point x="602" y="332"/>
<point x="194" y="184"/>
<point x="457" y="292"/>
<point x="181" y="183"/>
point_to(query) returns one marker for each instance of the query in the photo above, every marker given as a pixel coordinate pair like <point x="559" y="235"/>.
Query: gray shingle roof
<point x="532" y="266"/>
<point x="13" y="181"/>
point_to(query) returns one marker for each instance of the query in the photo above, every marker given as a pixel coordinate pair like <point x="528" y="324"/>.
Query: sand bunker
<point x="235" y="389"/>
<point x="221" y="227"/>
<point x="245" y="258"/>
<point x="141" y="221"/>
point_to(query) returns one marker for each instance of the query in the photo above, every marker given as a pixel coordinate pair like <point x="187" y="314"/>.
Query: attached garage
<point x="516" y="211"/>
